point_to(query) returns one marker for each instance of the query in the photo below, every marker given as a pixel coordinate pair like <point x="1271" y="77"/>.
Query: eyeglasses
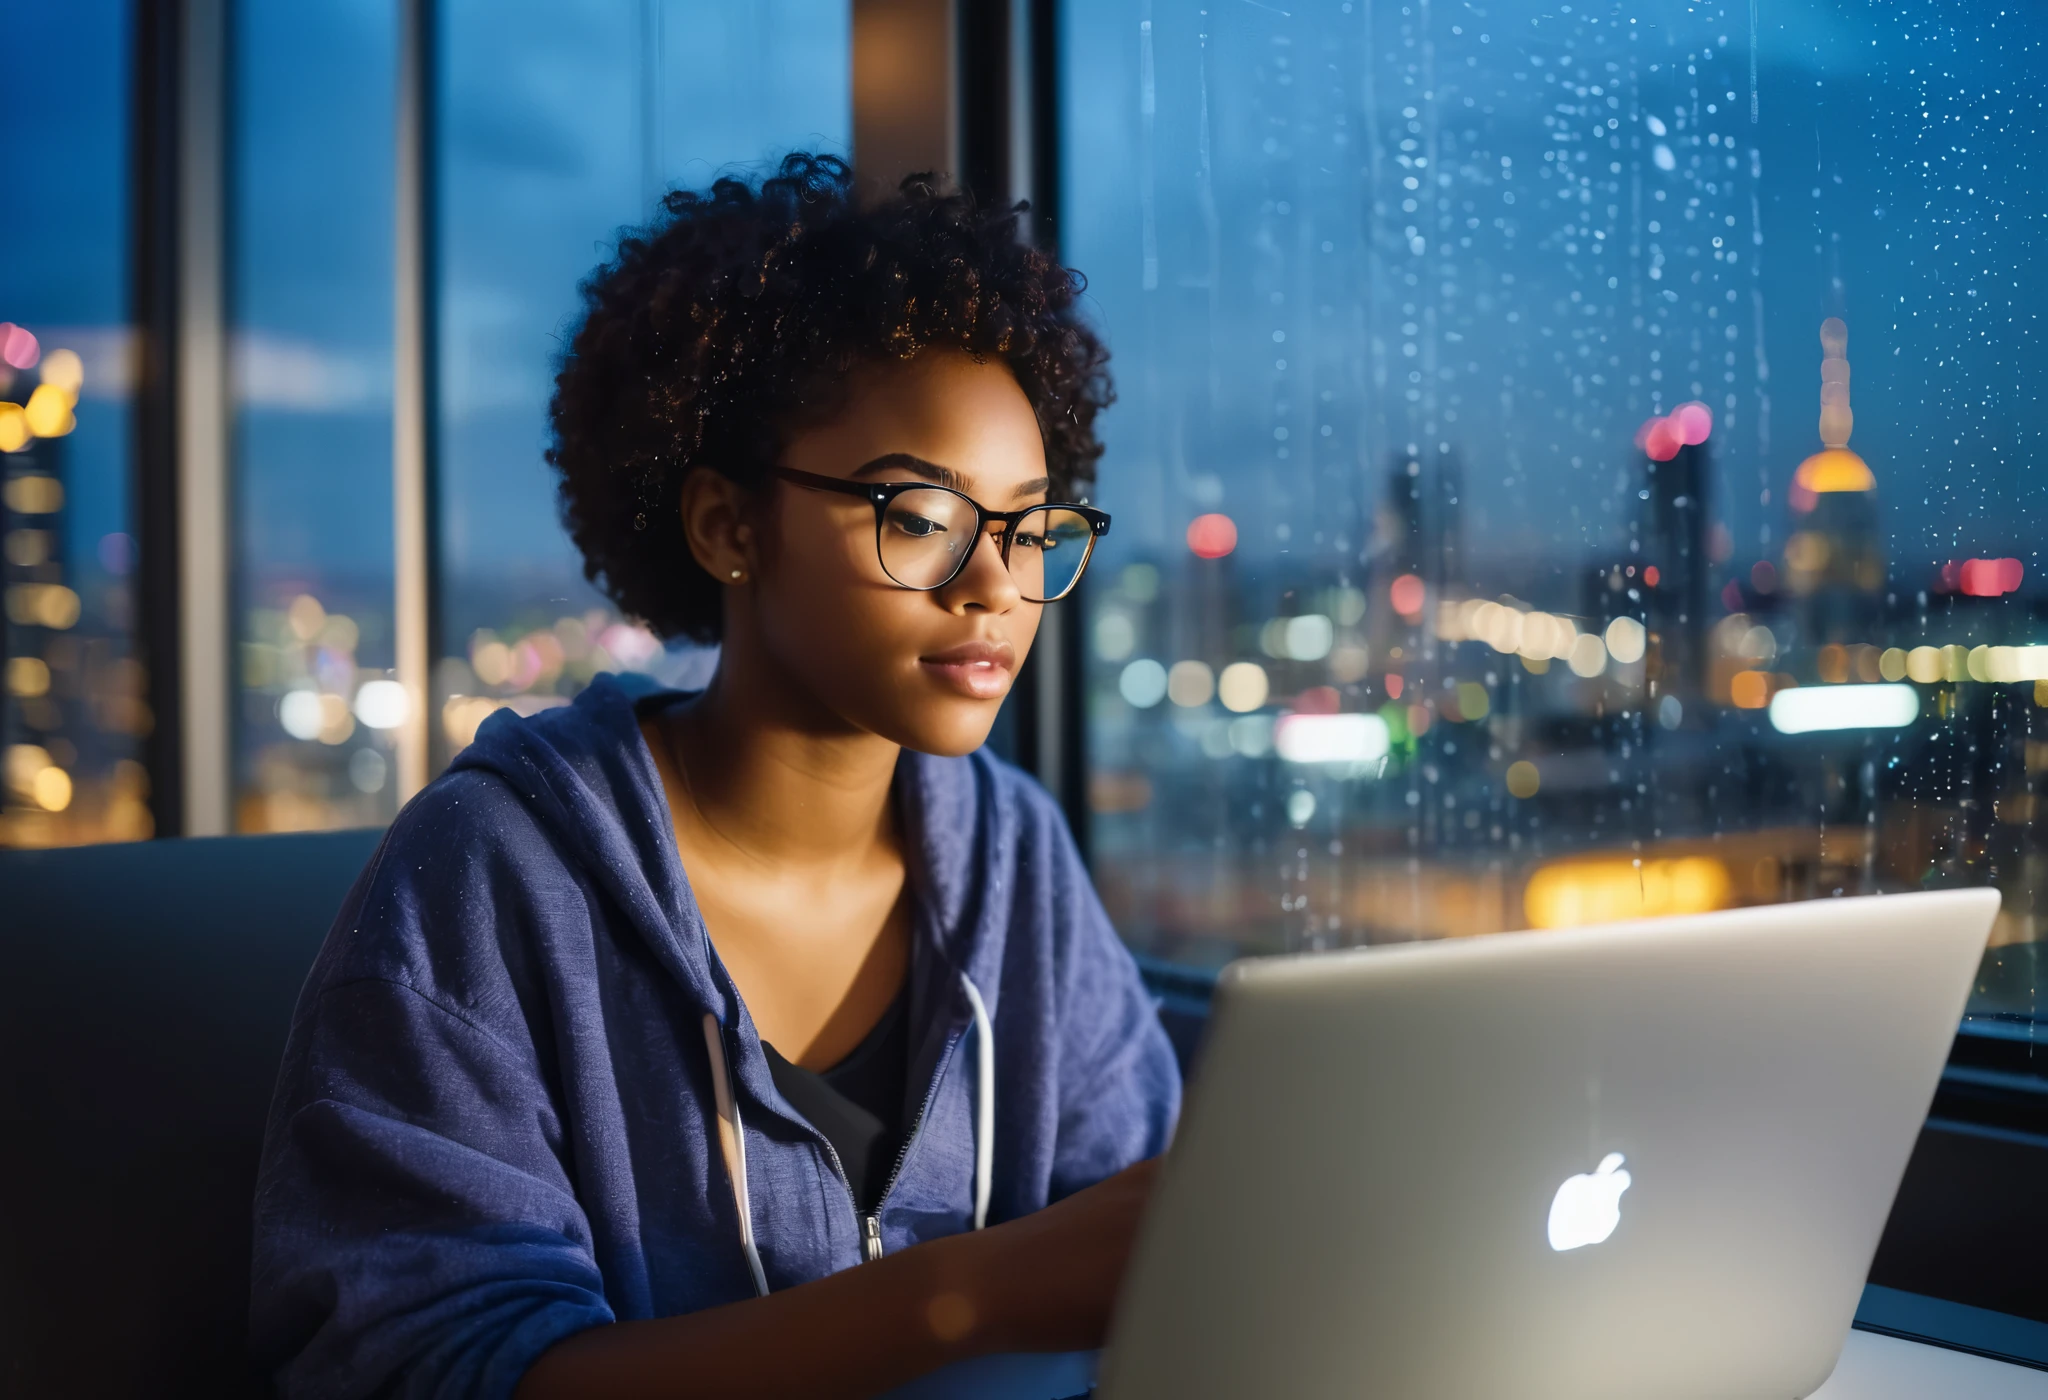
<point x="924" y="535"/>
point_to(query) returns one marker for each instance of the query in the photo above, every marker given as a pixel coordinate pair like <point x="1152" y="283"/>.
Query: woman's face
<point x="927" y="670"/>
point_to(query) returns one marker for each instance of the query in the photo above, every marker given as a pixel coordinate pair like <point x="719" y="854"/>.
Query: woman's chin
<point x="948" y="726"/>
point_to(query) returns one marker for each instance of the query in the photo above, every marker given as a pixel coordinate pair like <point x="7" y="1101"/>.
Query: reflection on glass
<point x="72" y="709"/>
<point x="1491" y="550"/>
<point x="560" y="125"/>
<point x="311" y="263"/>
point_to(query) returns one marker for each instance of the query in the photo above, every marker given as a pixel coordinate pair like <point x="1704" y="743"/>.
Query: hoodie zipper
<point x="870" y="1226"/>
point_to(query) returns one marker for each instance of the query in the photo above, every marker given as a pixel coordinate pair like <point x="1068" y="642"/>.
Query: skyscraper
<point x="1834" y="555"/>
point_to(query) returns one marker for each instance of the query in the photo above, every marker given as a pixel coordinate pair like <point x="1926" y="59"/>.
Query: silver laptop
<point x="1647" y="1159"/>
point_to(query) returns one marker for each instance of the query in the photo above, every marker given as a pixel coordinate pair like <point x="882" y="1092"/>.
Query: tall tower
<point x="1834" y="556"/>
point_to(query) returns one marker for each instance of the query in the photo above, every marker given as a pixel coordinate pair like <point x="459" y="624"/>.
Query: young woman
<point x="771" y="1040"/>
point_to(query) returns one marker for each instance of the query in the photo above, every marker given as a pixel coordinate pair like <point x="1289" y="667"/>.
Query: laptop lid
<point x="1650" y="1158"/>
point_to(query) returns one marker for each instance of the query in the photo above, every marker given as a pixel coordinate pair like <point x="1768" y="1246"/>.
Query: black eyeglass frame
<point x="880" y="493"/>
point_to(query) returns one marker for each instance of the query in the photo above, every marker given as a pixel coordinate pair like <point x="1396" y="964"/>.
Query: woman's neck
<point x="773" y="781"/>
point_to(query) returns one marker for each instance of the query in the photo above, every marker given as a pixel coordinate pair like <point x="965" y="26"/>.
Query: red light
<point x="1663" y="440"/>
<point x="1650" y="575"/>
<point x="1394" y="684"/>
<point x="1731" y="596"/>
<point x="1985" y="578"/>
<point x="1318" y="700"/>
<point x="1406" y="594"/>
<point x="18" y="347"/>
<point x="1695" y="422"/>
<point x="1212" y="536"/>
<point x="1763" y="576"/>
<point x="1687" y="425"/>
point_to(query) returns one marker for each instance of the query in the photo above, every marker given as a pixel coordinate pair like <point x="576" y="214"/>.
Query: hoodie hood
<point x="585" y="771"/>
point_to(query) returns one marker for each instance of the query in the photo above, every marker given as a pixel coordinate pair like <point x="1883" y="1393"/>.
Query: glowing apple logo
<point x="1588" y="1206"/>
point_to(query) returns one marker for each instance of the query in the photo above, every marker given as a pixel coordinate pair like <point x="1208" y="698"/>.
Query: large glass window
<point x="1568" y="465"/>
<point x="72" y="707"/>
<point x="561" y="124"/>
<point x="310" y="250"/>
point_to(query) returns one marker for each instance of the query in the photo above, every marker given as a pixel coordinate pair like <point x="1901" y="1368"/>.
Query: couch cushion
<point x="145" y="993"/>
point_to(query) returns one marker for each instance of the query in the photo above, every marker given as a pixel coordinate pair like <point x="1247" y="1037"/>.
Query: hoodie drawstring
<point x="732" y="1141"/>
<point x="732" y="1145"/>
<point x="985" y="1102"/>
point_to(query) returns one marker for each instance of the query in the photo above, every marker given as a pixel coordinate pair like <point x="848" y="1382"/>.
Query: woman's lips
<point x="978" y="670"/>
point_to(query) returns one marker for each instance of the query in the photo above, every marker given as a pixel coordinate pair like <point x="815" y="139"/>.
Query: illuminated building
<point x="1417" y="543"/>
<point x="1834" y="556"/>
<point x="40" y="656"/>
<point x="1673" y="564"/>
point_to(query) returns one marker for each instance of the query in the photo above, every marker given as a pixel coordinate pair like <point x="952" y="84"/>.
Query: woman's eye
<point x="1027" y="540"/>
<point x="919" y="526"/>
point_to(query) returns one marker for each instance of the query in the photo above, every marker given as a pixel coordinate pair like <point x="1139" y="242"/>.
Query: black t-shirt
<point x="858" y="1103"/>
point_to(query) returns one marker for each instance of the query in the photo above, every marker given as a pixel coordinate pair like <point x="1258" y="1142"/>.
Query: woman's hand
<point x="1051" y="1278"/>
<point x="1046" y="1282"/>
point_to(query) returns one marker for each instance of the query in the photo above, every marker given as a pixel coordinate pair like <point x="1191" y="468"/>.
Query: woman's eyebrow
<point x="944" y="476"/>
<point x="905" y="461"/>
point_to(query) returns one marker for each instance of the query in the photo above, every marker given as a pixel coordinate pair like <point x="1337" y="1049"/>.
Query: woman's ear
<point x="718" y="525"/>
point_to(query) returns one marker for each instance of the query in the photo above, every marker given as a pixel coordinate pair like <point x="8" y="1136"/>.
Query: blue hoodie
<point x="496" y="1122"/>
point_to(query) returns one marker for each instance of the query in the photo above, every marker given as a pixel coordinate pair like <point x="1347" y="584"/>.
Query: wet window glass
<point x="72" y="710"/>
<point x="1568" y="465"/>
<point x="561" y="124"/>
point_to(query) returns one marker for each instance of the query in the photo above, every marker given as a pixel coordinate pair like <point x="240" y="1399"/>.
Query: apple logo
<point x="1588" y="1206"/>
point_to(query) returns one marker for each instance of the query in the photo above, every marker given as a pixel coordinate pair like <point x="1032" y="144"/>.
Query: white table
<point x="1876" y="1367"/>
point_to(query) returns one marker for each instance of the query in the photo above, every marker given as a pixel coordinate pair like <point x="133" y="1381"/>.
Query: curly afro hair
<point x="731" y="322"/>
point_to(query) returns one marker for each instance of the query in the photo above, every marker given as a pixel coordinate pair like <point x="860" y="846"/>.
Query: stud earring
<point x="735" y="575"/>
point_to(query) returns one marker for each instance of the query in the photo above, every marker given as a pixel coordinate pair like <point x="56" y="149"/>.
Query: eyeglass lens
<point x="926" y="534"/>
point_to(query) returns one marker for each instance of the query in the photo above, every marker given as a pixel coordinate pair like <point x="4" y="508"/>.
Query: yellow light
<point x="1523" y="779"/>
<point x="1626" y="640"/>
<point x="1892" y="665"/>
<point x="65" y="372"/>
<point x="461" y="715"/>
<point x="24" y="761"/>
<point x="1473" y="701"/>
<point x="58" y="608"/>
<point x="1589" y="656"/>
<point x="48" y="412"/>
<point x="1190" y="684"/>
<point x="492" y="661"/>
<point x="1836" y="469"/>
<point x="28" y="676"/>
<point x="1806" y="552"/>
<point x="1573" y="892"/>
<point x="51" y="789"/>
<point x="1350" y="661"/>
<point x="35" y="495"/>
<point x="1923" y="664"/>
<point x="336" y="723"/>
<point x="1243" y="686"/>
<point x="14" y="433"/>
<point x="306" y="617"/>
<point x="1749" y="690"/>
<point x="49" y="605"/>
